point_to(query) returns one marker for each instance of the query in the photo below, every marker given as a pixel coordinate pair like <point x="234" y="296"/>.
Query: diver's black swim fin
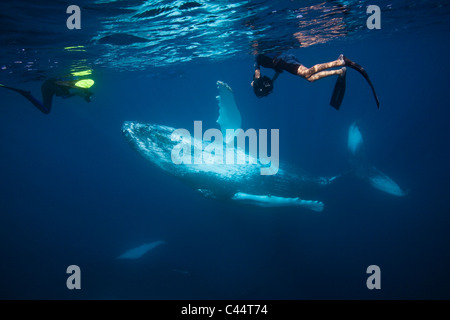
<point x="29" y="97"/>
<point x="339" y="90"/>
<point x="363" y="72"/>
<point x="22" y="92"/>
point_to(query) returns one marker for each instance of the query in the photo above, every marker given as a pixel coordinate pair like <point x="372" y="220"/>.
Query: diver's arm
<point x="257" y="66"/>
<point x="275" y="76"/>
<point x="257" y="74"/>
<point x="72" y="92"/>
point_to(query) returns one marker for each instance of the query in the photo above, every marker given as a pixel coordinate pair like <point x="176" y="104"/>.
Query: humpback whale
<point x="243" y="183"/>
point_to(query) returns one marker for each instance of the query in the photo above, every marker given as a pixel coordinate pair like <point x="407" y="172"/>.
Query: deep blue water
<point x="72" y="190"/>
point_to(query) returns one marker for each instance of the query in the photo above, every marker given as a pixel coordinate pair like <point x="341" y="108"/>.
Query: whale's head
<point x="161" y="145"/>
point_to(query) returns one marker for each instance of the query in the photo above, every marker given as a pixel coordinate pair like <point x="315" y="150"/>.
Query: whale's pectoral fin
<point x="229" y="115"/>
<point x="382" y="182"/>
<point x="273" y="201"/>
<point x="376" y="178"/>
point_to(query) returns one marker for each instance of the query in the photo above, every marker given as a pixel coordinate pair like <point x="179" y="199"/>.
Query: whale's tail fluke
<point x="354" y="140"/>
<point x="365" y="170"/>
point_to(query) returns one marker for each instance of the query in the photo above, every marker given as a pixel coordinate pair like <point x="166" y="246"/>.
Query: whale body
<point x="243" y="183"/>
<point x="238" y="182"/>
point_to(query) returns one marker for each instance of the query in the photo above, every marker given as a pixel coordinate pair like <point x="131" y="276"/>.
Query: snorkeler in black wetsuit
<point x="263" y="85"/>
<point x="59" y="88"/>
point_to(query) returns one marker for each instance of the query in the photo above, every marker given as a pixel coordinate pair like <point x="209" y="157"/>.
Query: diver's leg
<point x="84" y="93"/>
<point x="305" y="72"/>
<point x="324" y="74"/>
<point x="29" y="97"/>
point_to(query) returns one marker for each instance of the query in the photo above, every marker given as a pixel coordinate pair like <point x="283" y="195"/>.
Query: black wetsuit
<point x="278" y="62"/>
<point x="290" y="63"/>
<point x="49" y="88"/>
